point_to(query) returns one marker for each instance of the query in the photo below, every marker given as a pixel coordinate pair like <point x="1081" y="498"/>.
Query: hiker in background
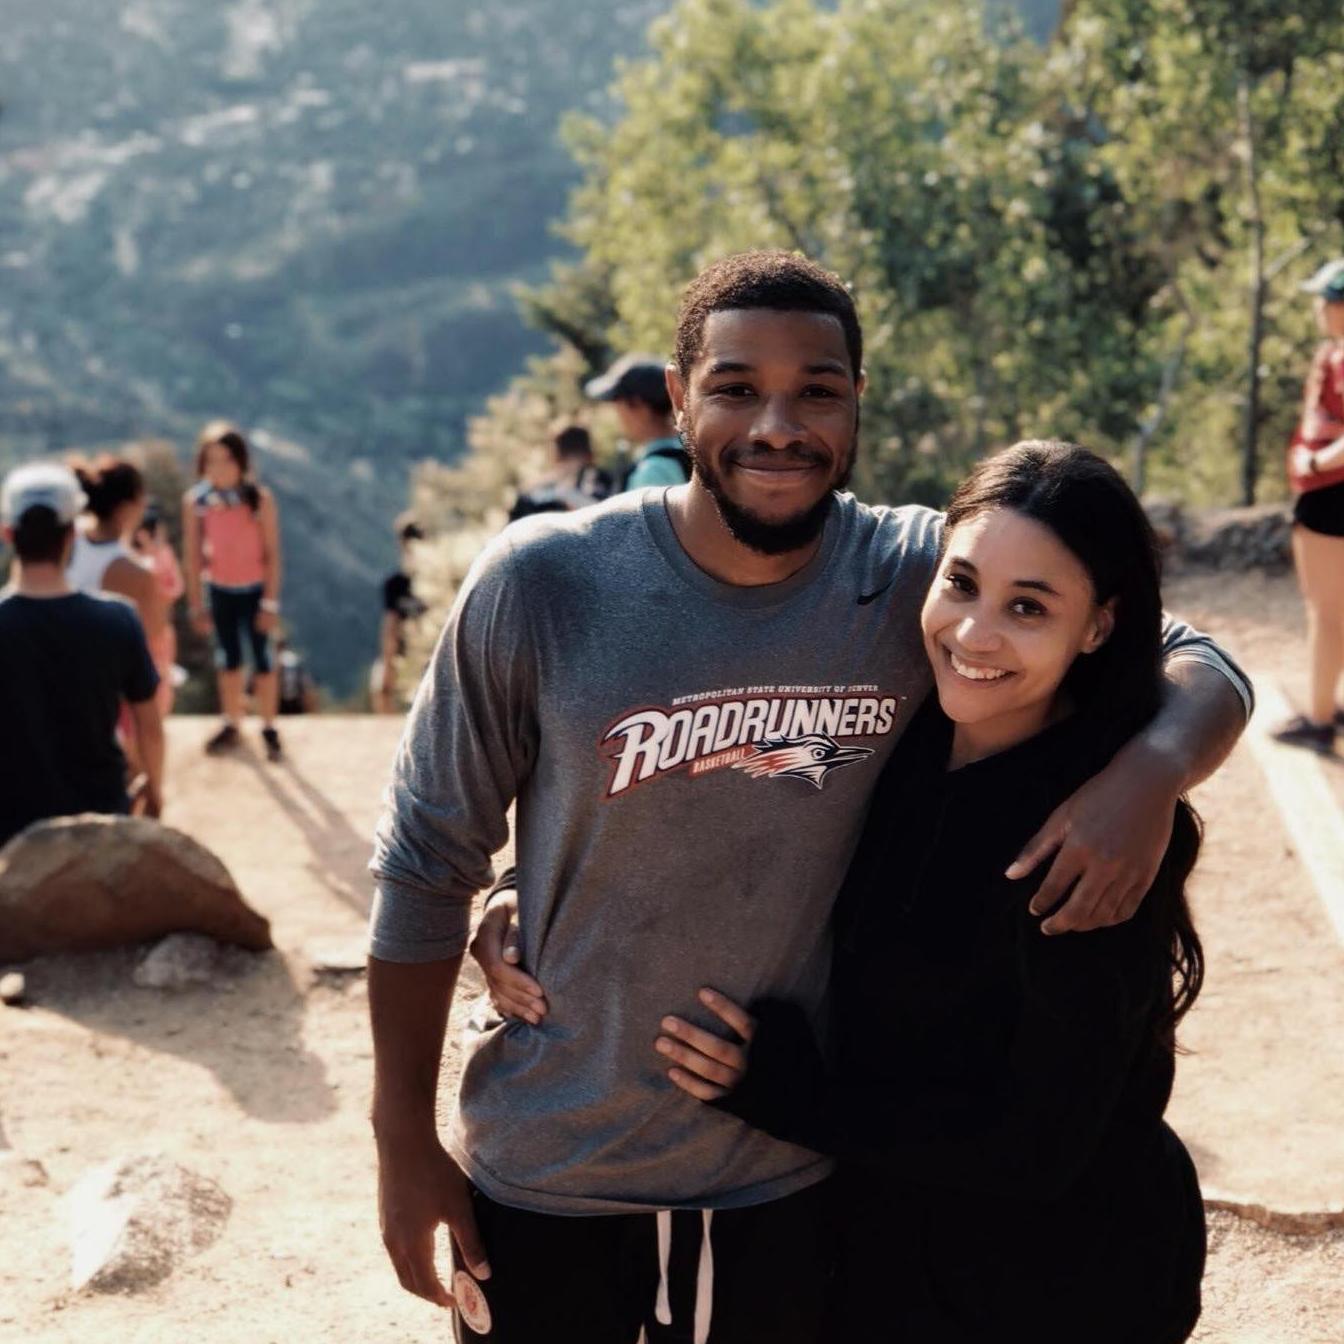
<point x="151" y="544"/>
<point x="1316" y="474"/>
<point x="574" y="481"/>
<point x="102" y="559"/>
<point x="637" y="386"/>
<point x="231" y="545"/>
<point x="400" y="607"/>
<point x="67" y="661"/>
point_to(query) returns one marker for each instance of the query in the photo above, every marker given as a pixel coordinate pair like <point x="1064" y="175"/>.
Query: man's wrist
<point x="1159" y="761"/>
<point x="404" y="1125"/>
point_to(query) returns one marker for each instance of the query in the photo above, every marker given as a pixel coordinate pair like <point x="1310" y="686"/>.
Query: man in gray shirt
<point x="689" y="693"/>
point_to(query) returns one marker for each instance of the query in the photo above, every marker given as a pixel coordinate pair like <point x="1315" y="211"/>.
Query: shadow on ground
<point x="247" y="1029"/>
<point x="339" y="854"/>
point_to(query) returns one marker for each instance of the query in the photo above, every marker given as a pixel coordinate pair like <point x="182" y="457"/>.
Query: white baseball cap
<point x="1328" y="281"/>
<point x="47" y="484"/>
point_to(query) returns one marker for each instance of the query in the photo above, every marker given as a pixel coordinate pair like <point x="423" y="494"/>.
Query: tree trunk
<point x="1250" y="457"/>
<point x="1148" y="430"/>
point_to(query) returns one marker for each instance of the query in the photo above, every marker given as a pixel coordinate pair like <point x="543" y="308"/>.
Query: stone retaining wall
<point x="1235" y="540"/>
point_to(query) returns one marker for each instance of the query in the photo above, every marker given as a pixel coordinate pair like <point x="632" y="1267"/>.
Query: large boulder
<point x="77" y="884"/>
<point x="134" y="1219"/>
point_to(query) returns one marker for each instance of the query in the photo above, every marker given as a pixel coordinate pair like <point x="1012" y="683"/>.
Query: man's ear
<point x="861" y="382"/>
<point x="676" y="388"/>
<point x="1102" y="627"/>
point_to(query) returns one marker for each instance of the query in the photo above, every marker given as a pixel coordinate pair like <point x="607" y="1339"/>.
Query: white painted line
<point x="1297" y="782"/>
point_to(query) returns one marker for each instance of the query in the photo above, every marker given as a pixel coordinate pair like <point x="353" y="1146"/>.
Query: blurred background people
<point x="231" y="550"/>
<point x="401" y="606"/>
<point x="636" y="386"/>
<point x="103" y="559"/>
<point x="573" y="482"/>
<point x="1316" y="473"/>
<point x="152" y="546"/>
<point x="68" y="659"/>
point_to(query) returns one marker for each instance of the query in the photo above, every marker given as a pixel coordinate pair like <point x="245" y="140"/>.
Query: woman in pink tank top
<point x="231" y="545"/>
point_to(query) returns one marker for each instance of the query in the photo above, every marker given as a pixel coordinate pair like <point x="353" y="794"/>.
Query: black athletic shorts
<point x="1321" y="510"/>
<point x="596" y="1280"/>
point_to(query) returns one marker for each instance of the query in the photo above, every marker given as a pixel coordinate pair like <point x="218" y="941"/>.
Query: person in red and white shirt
<point x="1316" y="473"/>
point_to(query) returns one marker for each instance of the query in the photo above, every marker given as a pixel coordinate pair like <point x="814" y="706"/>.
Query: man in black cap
<point x="636" y="385"/>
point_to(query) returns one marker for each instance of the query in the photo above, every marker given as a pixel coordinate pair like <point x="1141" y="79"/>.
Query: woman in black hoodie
<point x="995" y="1094"/>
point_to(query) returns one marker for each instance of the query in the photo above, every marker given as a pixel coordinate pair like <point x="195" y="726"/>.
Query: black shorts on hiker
<point x="1321" y="510"/>
<point x="598" y="1280"/>
<point x="234" y="612"/>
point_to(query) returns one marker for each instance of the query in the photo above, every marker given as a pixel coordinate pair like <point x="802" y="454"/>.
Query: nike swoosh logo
<point x="866" y="598"/>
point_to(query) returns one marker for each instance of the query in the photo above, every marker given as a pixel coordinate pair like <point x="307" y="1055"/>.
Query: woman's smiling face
<point x="1009" y="610"/>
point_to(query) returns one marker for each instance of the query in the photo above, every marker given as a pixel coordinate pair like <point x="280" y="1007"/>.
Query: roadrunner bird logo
<point x="812" y="758"/>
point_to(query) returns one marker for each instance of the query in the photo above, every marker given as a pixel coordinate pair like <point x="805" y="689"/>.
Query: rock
<point x="134" y="1219"/>
<point x="338" y="956"/>
<point x="27" y="1172"/>
<point x="180" y="960"/>
<point x="1259" y="537"/>
<point x="12" y="987"/>
<point x="76" y="884"/>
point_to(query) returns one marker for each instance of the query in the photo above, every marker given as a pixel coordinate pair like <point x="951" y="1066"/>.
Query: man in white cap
<point x="67" y="661"/>
<point x="636" y="385"/>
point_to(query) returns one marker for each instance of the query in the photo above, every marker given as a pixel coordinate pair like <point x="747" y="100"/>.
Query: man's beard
<point x="750" y="529"/>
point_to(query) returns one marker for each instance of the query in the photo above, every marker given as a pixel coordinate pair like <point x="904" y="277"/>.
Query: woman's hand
<point x="1304" y="461"/>
<point x="265" y="622"/>
<point x="201" y="622"/>
<point x="514" y="993"/>
<point x="707" y="1066"/>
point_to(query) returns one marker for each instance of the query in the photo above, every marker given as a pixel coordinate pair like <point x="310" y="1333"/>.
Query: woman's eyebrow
<point x="1039" y="585"/>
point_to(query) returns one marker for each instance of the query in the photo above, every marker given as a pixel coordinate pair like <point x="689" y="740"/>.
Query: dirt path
<point x="264" y="1086"/>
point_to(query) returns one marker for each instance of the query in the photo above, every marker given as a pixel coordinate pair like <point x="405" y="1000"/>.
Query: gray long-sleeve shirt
<point x="692" y="762"/>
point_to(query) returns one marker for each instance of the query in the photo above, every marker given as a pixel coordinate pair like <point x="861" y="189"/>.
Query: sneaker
<point x="272" y="740"/>
<point x="225" y="740"/>
<point x="1300" y="731"/>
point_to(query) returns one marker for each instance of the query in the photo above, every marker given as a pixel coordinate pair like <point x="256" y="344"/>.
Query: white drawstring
<point x="662" y="1311"/>
<point x="704" y="1281"/>
<point x="704" y="1276"/>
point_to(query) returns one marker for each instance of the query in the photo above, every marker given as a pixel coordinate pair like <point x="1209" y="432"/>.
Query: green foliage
<point x="1185" y="90"/>
<point x="1073" y="239"/>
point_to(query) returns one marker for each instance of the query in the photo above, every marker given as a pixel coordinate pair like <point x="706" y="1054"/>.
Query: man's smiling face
<point x="770" y="413"/>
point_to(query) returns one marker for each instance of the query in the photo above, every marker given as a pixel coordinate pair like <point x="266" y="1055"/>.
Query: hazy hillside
<point x="304" y="214"/>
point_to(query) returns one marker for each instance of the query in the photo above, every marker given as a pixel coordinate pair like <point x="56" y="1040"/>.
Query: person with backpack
<point x="231" y="546"/>
<point x="574" y="481"/>
<point x="636" y="386"/>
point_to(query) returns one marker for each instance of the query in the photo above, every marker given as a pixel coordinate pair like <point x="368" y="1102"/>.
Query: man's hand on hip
<point x="419" y="1187"/>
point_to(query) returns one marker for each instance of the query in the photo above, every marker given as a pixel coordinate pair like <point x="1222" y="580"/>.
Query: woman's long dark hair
<point x="1085" y="502"/>
<point x="230" y="437"/>
<point x="108" y="482"/>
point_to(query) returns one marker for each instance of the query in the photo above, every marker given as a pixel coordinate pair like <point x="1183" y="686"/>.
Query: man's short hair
<point x="785" y="282"/>
<point x="40" y="538"/>
<point x="573" y="441"/>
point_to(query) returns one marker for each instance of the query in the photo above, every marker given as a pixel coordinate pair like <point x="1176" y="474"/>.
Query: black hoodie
<point x="996" y="1094"/>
